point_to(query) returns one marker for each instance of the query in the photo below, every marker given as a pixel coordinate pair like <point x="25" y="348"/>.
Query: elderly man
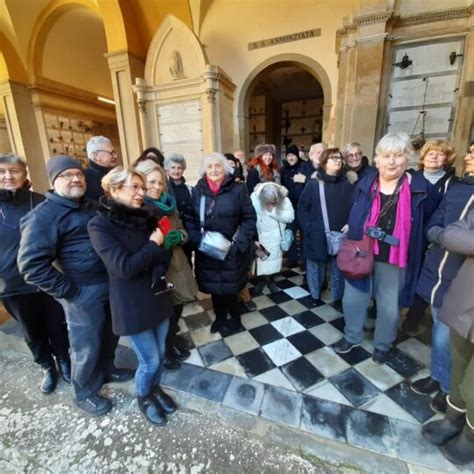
<point x="102" y="158"/>
<point x="315" y="153"/>
<point x="355" y="160"/>
<point x="56" y="256"/>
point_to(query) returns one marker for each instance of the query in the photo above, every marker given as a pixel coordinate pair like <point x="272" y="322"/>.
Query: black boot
<point x="259" y="286"/>
<point x="64" y="365"/>
<point x="171" y="364"/>
<point x="49" y="380"/>
<point x="152" y="410"/>
<point x="179" y="354"/>
<point x="440" y="432"/>
<point x="167" y="403"/>
<point x="460" y="450"/>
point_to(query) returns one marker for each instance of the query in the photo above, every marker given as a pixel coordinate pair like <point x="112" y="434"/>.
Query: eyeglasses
<point x="335" y="158"/>
<point x="136" y="188"/>
<point x="112" y="153"/>
<point x="70" y="176"/>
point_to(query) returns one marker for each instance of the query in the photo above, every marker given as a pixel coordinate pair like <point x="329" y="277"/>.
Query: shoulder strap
<point x="322" y="198"/>
<point x="202" y="208"/>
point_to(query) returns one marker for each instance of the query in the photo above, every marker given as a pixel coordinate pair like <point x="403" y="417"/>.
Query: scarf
<point x="214" y="187"/>
<point x="166" y="203"/>
<point x="398" y="255"/>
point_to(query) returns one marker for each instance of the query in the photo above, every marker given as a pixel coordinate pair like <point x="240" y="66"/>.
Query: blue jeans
<point x="315" y="274"/>
<point x="86" y="317"/>
<point x="149" y="347"/>
<point x="386" y="283"/>
<point x="440" y="352"/>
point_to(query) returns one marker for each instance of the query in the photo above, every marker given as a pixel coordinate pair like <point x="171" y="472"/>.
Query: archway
<point x="284" y="101"/>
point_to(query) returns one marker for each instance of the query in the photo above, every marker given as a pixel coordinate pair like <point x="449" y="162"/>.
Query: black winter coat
<point x="56" y="232"/>
<point x="121" y="236"/>
<point x="338" y="192"/>
<point x="182" y="193"/>
<point x="287" y="174"/>
<point x="94" y="174"/>
<point x="228" y="211"/>
<point x="13" y="206"/>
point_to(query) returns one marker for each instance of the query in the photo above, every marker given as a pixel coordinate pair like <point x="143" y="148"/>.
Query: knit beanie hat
<point x="57" y="164"/>
<point x="293" y="149"/>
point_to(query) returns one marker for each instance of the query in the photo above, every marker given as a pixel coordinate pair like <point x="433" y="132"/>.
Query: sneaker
<point x="380" y="357"/>
<point x="95" y="405"/>
<point x="249" y="306"/>
<point x="343" y="346"/>
<point x="439" y="402"/>
<point x="273" y="287"/>
<point x="425" y="386"/>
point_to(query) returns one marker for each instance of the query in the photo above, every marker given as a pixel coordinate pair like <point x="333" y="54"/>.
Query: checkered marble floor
<point x="288" y="341"/>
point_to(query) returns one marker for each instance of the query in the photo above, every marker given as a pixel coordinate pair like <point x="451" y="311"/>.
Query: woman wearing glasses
<point x="333" y="181"/>
<point x="136" y="256"/>
<point x="40" y="316"/>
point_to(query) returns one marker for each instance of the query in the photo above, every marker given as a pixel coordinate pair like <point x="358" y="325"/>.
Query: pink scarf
<point x="214" y="187"/>
<point x="398" y="255"/>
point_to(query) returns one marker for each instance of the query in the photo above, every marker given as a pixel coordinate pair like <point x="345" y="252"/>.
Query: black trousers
<point x="226" y="304"/>
<point x="174" y="328"/>
<point x="44" y="326"/>
<point x="109" y="344"/>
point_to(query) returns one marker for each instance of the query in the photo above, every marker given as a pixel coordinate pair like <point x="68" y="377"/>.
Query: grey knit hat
<point x="57" y="164"/>
<point x="262" y="149"/>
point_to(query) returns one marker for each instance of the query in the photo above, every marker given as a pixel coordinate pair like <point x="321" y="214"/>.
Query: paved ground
<point x="46" y="434"/>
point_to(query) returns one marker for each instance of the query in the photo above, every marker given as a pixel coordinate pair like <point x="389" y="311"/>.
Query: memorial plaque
<point x="411" y="92"/>
<point x="180" y="129"/>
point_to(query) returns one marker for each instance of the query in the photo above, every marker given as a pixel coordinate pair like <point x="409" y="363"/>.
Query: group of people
<point x="114" y="251"/>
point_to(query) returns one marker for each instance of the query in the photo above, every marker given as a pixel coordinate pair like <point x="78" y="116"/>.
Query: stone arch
<point x="11" y="66"/>
<point x="174" y="35"/>
<point x="306" y="63"/>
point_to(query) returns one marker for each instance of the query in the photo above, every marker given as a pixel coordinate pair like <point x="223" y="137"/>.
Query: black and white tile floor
<point x="288" y="341"/>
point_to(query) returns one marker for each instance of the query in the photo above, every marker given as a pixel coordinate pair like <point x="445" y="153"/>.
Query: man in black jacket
<point x="56" y="256"/>
<point x="102" y="158"/>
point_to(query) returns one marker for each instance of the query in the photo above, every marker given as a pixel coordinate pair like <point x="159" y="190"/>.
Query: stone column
<point x="23" y="130"/>
<point x="124" y="68"/>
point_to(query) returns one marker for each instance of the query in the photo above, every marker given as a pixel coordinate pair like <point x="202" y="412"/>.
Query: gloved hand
<point x="172" y="238"/>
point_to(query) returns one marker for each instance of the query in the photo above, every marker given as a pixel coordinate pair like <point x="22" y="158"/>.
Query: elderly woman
<point x="455" y="432"/>
<point x="337" y="192"/>
<point x="439" y="269"/>
<point x="40" y="316"/>
<point x="226" y="209"/>
<point x="389" y="209"/>
<point x="354" y="160"/>
<point x="136" y="255"/>
<point x="436" y="165"/>
<point x="274" y="211"/>
<point x="263" y="168"/>
<point x="179" y="272"/>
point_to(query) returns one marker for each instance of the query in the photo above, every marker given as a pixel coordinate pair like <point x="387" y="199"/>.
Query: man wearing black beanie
<point x="56" y="255"/>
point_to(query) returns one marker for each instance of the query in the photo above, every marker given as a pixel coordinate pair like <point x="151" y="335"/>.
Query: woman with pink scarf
<point x="388" y="207"/>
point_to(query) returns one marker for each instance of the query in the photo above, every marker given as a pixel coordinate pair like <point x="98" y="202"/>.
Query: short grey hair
<point x="271" y="193"/>
<point x="349" y="146"/>
<point x="399" y="141"/>
<point x="314" y="145"/>
<point x="12" y="159"/>
<point x="215" y="156"/>
<point x="96" y="143"/>
<point x="174" y="158"/>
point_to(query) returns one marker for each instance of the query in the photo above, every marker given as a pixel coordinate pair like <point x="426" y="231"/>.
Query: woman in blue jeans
<point x="136" y="255"/>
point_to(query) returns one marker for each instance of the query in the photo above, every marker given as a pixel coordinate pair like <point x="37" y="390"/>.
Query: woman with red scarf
<point x="264" y="168"/>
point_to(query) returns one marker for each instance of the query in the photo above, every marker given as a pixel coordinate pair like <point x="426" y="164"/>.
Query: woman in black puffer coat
<point x="228" y="210"/>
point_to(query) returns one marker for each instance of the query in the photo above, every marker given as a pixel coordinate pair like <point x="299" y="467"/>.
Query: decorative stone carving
<point x="176" y="66"/>
<point x="428" y="17"/>
<point x="211" y="95"/>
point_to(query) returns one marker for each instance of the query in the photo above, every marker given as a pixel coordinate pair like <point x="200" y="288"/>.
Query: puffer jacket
<point x="458" y="308"/>
<point x="56" y="253"/>
<point x="229" y="212"/>
<point x="13" y="206"/>
<point x="440" y="266"/>
<point x="270" y="228"/>
<point x="338" y="191"/>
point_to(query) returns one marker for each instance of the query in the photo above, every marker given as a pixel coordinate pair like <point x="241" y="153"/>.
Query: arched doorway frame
<point x="306" y="63"/>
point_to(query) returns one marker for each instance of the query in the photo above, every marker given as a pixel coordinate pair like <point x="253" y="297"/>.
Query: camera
<point x="379" y="234"/>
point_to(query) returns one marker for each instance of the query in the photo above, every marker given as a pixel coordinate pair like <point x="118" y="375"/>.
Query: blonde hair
<point x="119" y="176"/>
<point x="437" y="145"/>
<point x="146" y="168"/>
